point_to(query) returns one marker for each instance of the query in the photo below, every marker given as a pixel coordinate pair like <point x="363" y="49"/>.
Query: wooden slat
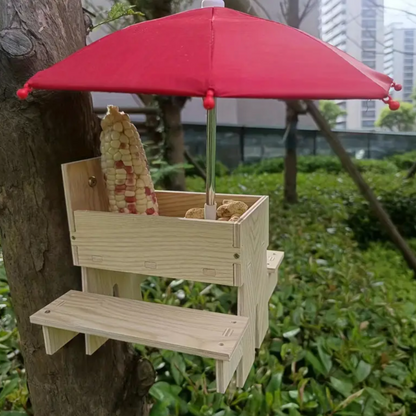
<point x="190" y="331"/>
<point x="196" y="250"/>
<point x="175" y="204"/>
<point x="225" y="370"/>
<point x="252" y="235"/>
<point x="104" y="282"/>
<point x="274" y="260"/>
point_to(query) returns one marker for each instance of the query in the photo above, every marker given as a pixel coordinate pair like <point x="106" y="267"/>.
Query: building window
<point x="370" y="64"/>
<point x="369" y="34"/>
<point x="369" y="24"/>
<point x="368" y="104"/>
<point x="367" y="124"/>
<point x="369" y="55"/>
<point x="368" y="44"/>
<point x="369" y="13"/>
<point x="369" y="114"/>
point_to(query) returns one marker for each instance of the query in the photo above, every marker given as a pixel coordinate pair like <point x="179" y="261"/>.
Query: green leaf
<point x="291" y="333"/>
<point x="275" y="382"/>
<point x="377" y="396"/>
<point x="158" y="409"/>
<point x="362" y="371"/>
<point x="342" y="386"/>
<point x="325" y="359"/>
<point x="315" y="363"/>
<point x="165" y="392"/>
<point x="8" y="389"/>
<point x="178" y="368"/>
<point x="349" y="400"/>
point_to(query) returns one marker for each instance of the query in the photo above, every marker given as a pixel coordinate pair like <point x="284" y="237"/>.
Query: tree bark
<point x="365" y="190"/>
<point x="36" y="137"/>
<point x="291" y="168"/>
<point x="171" y="108"/>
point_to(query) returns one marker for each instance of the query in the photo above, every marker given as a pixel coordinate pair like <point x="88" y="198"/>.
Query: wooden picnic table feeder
<point x="211" y="52"/>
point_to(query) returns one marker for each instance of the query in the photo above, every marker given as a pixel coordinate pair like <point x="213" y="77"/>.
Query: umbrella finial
<point x="393" y="104"/>
<point x="24" y="92"/>
<point x="212" y="3"/>
<point x="209" y="100"/>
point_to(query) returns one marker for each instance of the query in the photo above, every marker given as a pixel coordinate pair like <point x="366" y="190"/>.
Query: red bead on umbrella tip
<point x="24" y="92"/>
<point x="394" y="105"/>
<point x="209" y="101"/>
<point x="398" y="87"/>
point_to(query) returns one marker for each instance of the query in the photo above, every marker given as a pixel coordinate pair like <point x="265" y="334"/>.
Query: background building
<point x="357" y="28"/>
<point x="246" y="112"/>
<point x="400" y="59"/>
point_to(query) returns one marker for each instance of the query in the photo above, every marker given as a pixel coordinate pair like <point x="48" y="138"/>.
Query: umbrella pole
<point x="210" y="205"/>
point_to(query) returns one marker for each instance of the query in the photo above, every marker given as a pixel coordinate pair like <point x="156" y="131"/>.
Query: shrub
<point x="310" y="164"/>
<point x="220" y="168"/>
<point x="403" y="161"/>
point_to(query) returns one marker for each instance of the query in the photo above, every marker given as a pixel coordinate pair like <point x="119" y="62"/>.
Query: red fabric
<point x="231" y="53"/>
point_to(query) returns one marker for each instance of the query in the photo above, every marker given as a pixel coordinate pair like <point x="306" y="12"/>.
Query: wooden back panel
<point x="79" y="195"/>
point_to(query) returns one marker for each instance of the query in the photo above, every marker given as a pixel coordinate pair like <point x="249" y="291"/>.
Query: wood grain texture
<point x="225" y="370"/>
<point x="103" y="282"/>
<point x="55" y="338"/>
<point x="197" y="250"/>
<point x="190" y="331"/>
<point x="79" y="195"/>
<point x="175" y="204"/>
<point x="274" y="260"/>
<point x="252" y="237"/>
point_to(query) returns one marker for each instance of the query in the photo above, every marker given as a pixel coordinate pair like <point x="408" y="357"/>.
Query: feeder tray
<point x="117" y="252"/>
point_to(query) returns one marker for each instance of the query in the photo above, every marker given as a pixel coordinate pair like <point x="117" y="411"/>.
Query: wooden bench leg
<point x="104" y="282"/>
<point x="55" y="338"/>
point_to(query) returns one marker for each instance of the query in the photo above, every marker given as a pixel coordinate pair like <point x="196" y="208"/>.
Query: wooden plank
<point x="79" y="195"/>
<point x="104" y="282"/>
<point x="253" y="239"/>
<point x="175" y="204"/>
<point x="274" y="260"/>
<point x="225" y="370"/>
<point x="55" y="338"/>
<point x="197" y="250"/>
<point x="190" y="331"/>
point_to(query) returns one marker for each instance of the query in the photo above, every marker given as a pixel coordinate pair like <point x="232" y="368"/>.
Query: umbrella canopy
<point x="215" y="52"/>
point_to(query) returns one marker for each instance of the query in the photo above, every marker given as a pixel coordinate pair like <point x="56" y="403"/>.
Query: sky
<point x="392" y="16"/>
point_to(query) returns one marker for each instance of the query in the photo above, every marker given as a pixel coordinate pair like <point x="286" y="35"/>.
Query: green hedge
<point x="403" y="161"/>
<point x="309" y="164"/>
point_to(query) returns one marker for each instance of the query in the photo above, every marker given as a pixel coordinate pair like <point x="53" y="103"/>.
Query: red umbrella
<point x="215" y="52"/>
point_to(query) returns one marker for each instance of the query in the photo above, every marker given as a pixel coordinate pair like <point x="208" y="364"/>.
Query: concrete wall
<point x="269" y="113"/>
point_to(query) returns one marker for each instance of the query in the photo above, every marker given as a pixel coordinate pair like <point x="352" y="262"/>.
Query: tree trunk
<point x="412" y="172"/>
<point x="291" y="168"/>
<point x="36" y="137"/>
<point x="365" y="190"/>
<point x="174" y="142"/>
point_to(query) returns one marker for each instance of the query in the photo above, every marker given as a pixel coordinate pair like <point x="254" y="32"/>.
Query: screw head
<point x="92" y="181"/>
<point x="47" y="311"/>
<point x="236" y="256"/>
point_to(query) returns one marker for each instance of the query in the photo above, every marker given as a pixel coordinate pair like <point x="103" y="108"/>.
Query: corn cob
<point x="124" y="164"/>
